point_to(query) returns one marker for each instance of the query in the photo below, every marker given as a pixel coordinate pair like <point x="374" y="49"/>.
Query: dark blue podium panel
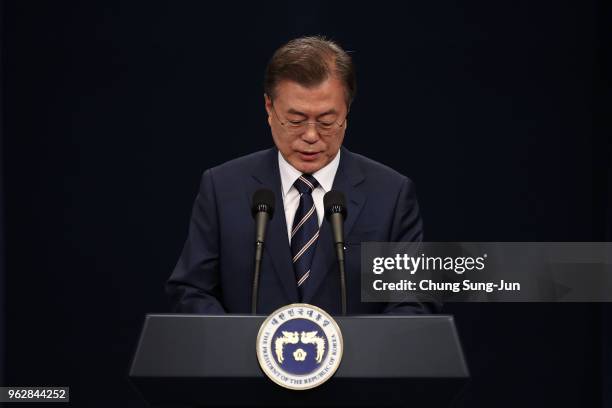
<point x="198" y="360"/>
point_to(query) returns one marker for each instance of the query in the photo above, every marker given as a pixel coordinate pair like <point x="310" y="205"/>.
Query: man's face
<point x="307" y="149"/>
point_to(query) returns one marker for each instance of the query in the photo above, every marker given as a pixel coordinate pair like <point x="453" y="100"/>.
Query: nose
<point x="311" y="134"/>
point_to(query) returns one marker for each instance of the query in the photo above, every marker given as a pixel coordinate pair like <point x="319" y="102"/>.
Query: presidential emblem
<point x="299" y="346"/>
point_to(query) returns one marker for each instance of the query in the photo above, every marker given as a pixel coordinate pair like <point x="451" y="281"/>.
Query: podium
<point x="389" y="360"/>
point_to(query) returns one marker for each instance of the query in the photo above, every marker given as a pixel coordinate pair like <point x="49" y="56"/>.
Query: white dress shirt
<point x="291" y="197"/>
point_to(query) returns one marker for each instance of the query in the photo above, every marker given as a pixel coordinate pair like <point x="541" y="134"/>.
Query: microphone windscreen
<point x="263" y="200"/>
<point x="334" y="202"/>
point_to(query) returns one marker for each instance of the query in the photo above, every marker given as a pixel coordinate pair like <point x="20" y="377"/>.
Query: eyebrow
<point x="328" y="112"/>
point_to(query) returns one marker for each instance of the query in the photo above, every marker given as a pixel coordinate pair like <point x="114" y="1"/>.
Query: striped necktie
<point x="305" y="231"/>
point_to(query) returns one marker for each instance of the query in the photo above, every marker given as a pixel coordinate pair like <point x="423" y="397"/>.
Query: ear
<point x="348" y="109"/>
<point x="268" y="106"/>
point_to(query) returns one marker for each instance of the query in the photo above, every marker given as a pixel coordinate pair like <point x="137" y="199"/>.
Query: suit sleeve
<point x="408" y="227"/>
<point x="194" y="285"/>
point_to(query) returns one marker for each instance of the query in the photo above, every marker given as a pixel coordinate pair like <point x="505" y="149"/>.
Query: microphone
<point x="262" y="211"/>
<point x="335" y="212"/>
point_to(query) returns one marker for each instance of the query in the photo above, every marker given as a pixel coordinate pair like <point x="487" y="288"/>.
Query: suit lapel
<point x="348" y="180"/>
<point x="277" y="249"/>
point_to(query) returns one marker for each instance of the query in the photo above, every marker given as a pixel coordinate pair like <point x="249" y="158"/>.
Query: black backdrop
<point x="498" y="112"/>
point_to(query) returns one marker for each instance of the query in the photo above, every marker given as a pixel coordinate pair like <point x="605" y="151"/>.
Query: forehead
<point x="328" y="95"/>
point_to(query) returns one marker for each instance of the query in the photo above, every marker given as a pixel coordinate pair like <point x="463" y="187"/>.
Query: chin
<point x="309" y="167"/>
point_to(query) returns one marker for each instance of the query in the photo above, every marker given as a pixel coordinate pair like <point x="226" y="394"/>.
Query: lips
<point x="309" y="156"/>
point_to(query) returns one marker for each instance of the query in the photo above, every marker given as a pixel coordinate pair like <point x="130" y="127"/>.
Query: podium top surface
<point x="223" y="346"/>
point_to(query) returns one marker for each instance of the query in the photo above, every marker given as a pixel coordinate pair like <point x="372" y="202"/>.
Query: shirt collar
<point x="324" y="176"/>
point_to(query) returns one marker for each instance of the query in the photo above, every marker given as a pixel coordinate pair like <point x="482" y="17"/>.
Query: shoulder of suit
<point x="377" y="170"/>
<point x="244" y="163"/>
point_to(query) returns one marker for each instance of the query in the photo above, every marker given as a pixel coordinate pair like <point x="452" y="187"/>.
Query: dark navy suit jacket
<point x="215" y="271"/>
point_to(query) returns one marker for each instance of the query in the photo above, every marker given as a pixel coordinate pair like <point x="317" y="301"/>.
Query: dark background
<point x="499" y="111"/>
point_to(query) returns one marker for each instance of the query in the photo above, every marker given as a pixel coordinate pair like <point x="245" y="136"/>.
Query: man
<point x="309" y="86"/>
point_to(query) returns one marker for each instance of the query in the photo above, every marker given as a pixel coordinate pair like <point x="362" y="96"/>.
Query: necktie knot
<point x="306" y="183"/>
